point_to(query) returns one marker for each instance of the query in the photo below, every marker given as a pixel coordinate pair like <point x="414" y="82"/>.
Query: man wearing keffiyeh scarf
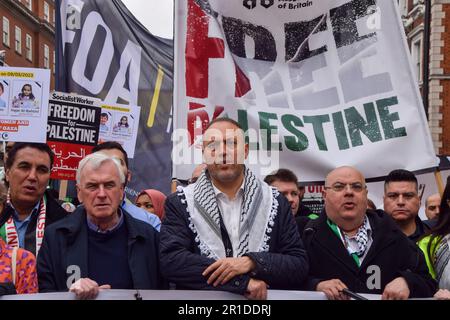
<point x="230" y="230"/>
<point x="350" y="247"/>
<point x="29" y="209"/>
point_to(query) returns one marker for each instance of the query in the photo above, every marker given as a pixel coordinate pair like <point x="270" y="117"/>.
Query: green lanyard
<point x="339" y="234"/>
<point x="3" y="232"/>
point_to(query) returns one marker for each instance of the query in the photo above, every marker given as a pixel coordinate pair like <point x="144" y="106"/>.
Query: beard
<point x="225" y="172"/>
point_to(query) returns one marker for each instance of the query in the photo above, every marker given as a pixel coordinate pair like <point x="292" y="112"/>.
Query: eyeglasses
<point x="339" y="187"/>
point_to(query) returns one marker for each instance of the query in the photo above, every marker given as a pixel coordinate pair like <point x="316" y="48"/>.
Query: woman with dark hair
<point x="25" y="98"/>
<point x="152" y="200"/>
<point x="122" y="126"/>
<point x="435" y="245"/>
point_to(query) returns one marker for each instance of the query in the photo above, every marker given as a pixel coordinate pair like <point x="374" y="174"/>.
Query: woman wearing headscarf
<point x="152" y="201"/>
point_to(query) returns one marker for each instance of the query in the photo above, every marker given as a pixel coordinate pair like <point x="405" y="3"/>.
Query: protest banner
<point x="23" y="104"/>
<point x="315" y="84"/>
<point x="103" y="51"/>
<point x="120" y="123"/>
<point x="72" y="131"/>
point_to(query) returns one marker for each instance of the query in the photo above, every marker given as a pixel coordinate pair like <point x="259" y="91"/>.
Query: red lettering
<point x="41" y="224"/>
<point x="242" y="83"/>
<point x="199" y="49"/>
<point x="204" y="119"/>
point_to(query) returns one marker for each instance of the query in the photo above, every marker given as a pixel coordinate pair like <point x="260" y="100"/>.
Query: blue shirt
<point x="141" y="214"/>
<point x="95" y="228"/>
<point x="21" y="226"/>
<point x="103" y="127"/>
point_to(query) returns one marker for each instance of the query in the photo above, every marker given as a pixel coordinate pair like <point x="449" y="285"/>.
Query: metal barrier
<point x="177" y="295"/>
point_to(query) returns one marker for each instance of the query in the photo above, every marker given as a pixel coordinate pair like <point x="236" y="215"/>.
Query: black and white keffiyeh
<point x="442" y="263"/>
<point x="258" y="211"/>
<point x="362" y="238"/>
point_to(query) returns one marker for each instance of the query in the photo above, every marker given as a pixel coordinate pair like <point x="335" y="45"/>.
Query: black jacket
<point x="421" y="228"/>
<point x="285" y="266"/>
<point x="54" y="212"/>
<point x="66" y="244"/>
<point x="391" y="251"/>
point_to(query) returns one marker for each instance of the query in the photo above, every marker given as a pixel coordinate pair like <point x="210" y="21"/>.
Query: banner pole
<point x="439" y="183"/>
<point x="173" y="186"/>
<point x="63" y="189"/>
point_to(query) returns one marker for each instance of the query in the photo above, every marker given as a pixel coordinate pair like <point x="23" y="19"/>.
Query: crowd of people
<point x="228" y="229"/>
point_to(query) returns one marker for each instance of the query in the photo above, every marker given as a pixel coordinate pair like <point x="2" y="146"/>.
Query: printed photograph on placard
<point x="105" y="122"/>
<point x="26" y="98"/>
<point x="123" y="124"/>
<point x="4" y="97"/>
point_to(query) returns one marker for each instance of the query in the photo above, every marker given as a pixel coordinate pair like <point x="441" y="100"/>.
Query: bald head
<point x="344" y="170"/>
<point x="432" y="206"/>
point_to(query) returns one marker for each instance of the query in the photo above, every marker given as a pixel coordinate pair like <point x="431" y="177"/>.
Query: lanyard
<point x="12" y="238"/>
<point x="225" y="237"/>
<point x="338" y="232"/>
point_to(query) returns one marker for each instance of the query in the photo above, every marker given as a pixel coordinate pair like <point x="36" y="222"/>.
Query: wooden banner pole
<point x="439" y="182"/>
<point x="174" y="185"/>
<point x="63" y="189"/>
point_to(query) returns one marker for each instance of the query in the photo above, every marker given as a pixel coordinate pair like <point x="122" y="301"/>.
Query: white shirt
<point x="230" y="210"/>
<point x="353" y="244"/>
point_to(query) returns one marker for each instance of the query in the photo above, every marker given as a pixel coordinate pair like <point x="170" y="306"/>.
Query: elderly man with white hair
<point x="99" y="246"/>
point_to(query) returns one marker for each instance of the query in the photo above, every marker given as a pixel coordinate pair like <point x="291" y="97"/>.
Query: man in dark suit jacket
<point x="230" y="231"/>
<point x="30" y="208"/>
<point x="363" y="250"/>
<point x="99" y="246"/>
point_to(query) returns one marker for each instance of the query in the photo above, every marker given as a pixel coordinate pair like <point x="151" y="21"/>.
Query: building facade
<point x="414" y="13"/>
<point x="28" y="34"/>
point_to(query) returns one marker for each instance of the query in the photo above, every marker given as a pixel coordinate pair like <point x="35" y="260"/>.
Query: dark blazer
<point x="391" y="251"/>
<point x="66" y="244"/>
<point x="54" y="212"/>
<point x="285" y="266"/>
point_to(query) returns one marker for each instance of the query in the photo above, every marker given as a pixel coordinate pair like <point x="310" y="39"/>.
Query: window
<point x="46" y="12"/>
<point x="18" y="42"/>
<point x="5" y="31"/>
<point x="53" y="17"/>
<point x="403" y="5"/>
<point x="54" y="62"/>
<point x="29" y="47"/>
<point x="46" y="57"/>
<point x="416" y="54"/>
<point x="29" y="4"/>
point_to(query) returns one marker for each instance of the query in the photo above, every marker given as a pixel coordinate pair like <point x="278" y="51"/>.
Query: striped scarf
<point x="362" y="238"/>
<point x="205" y="203"/>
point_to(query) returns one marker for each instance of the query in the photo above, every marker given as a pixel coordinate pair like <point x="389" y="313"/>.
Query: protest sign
<point x="120" y="123"/>
<point x="23" y="104"/>
<point x="72" y="131"/>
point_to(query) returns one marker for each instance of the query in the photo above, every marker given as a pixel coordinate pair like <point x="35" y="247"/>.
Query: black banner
<point x="103" y="51"/>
